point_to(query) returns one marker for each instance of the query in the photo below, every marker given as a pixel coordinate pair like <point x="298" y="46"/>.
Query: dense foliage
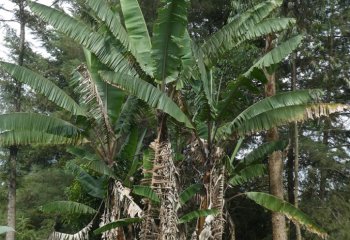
<point x="161" y="120"/>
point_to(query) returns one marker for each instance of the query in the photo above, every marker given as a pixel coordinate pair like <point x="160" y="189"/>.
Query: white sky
<point x="35" y="44"/>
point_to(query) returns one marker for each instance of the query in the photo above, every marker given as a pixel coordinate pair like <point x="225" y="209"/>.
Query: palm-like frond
<point x="90" y="96"/>
<point x="247" y="174"/>
<point x="197" y="214"/>
<point x="94" y="187"/>
<point x="262" y="151"/>
<point x="146" y="191"/>
<point x="138" y="32"/>
<point x="91" y="161"/>
<point x="119" y="223"/>
<point x="43" y="86"/>
<point x="187" y="61"/>
<point x="133" y="153"/>
<point x="258" y="154"/>
<point x="189" y="193"/>
<point x="282" y="116"/>
<point x="101" y="167"/>
<point x="37" y="123"/>
<point x="112" y="20"/>
<point x="233" y="93"/>
<point x="128" y="114"/>
<point x="169" y="28"/>
<point x="27" y="137"/>
<point x="278" y="110"/>
<point x="111" y="97"/>
<point x="277" y="205"/>
<point x="266" y="26"/>
<point x="277" y="54"/>
<point x="226" y="38"/>
<point x="67" y="207"/>
<point x="147" y="165"/>
<point x="104" y="49"/>
<point x="148" y="93"/>
<point x="205" y="95"/>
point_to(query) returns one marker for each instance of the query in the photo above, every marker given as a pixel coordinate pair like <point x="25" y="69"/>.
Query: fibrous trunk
<point x="118" y="205"/>
<point x="164" y="183"/>
<point x="210" y="227"/>
<point x="217" y="200"/>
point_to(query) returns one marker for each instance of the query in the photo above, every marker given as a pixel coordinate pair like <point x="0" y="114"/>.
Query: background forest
<point x="176" y="124"/>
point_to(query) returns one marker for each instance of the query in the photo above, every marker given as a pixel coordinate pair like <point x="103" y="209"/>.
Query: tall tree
<point x="275" y="160"/>
<point x="11" y="207"/>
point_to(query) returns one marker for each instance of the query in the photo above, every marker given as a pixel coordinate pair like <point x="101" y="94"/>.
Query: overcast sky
<point x="35" y="44"/>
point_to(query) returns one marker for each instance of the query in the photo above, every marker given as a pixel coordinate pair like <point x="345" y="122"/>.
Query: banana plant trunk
<point x="275" y="159"/>
<point x="165" y="184"/>
<point x="214" y="182"/>
<point x="11" y="207"/>
<point x="217" y="200"/>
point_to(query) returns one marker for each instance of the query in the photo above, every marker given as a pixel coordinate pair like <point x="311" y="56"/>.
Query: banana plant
<point x="101" y="124"/>
<point x="156" y="69"/>
<point x="210" y="104"/>
<point x="100" y="181"/>
<point x="146" y="67"/>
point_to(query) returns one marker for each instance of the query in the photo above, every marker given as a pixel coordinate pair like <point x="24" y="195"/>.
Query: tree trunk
<point x="293" y="170"/>
<point x="276" y="187"/>
<point x="11" y="205"/>
<point x="290" y="166"/>
<point x="323" y="171"/>
<point x="293" y="159"/>
<point x="275" y="159"/>
<point x="11" y="209"/>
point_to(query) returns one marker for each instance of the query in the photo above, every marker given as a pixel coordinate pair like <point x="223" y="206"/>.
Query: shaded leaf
<point x="247" y="174"/>
<point x="94" y="187"/>
<point x="67" y="207"/>
<point x="148" y="93"/>
<point x="120" y="223"/>
<point x="277" y="205"/>
<point x="277" y="54"/>
<point x="189" y="193"/>
<point x="228" y="36"/>
<point x="146" y="191"/>
<point x="197" y="214"/>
